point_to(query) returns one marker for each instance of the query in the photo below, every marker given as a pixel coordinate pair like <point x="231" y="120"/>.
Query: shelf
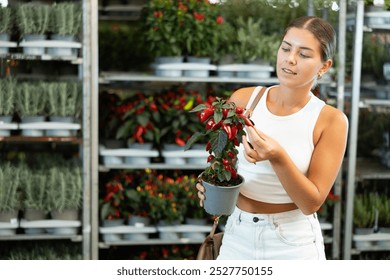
<point x="16" y="237"/>
<point x="120" y="12"/>
<point x="160" y="166"/>
<point x="108" y="77"/>
<point x="26" y="139"/>
<point x="45" y="57"/>
<point x="367" y="169"/>
<point x="155" y="241"/>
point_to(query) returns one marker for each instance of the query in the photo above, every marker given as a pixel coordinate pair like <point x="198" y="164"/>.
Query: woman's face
<point x="299" y="59"/>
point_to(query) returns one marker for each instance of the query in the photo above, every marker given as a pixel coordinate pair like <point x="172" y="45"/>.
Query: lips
<point x="288" y="71"/>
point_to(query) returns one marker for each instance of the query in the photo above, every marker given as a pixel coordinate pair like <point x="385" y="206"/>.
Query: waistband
<point x="292" y="215"/>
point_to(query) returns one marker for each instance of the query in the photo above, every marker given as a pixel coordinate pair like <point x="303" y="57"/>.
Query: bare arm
<point x="307" y="192"/>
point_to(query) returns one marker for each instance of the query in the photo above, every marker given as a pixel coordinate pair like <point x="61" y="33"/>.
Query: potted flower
<point x="176" y="123"/>
<point x="204" y="30"/>
<point x="162" y="26"/>
<point x="324" y="212"/>
<point x="223" y="131"/>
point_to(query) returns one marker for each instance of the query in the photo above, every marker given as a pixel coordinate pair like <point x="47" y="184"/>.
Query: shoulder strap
<point x="249" y="111"/>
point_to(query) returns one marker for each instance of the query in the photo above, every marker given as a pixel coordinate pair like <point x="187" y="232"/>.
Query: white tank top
<point x="294" y="133"/>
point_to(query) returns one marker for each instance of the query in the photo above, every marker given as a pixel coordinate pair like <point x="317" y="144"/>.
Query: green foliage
<point x="33" y="18"/>
<point x="364" y="210"/>
<point x="66" y="18"/>
<point x="31" y="99"/>
<point x="250" y="43"/>
<point x="33" y="183"/>
<point x="64" y="99"/>
<point x="7" y="96"/>
<point x="6" y="20"/>
<point x="64" y="187"/>
<point x="9" y="187"/>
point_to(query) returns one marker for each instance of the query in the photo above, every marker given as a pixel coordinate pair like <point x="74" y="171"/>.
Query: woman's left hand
<point x="263" y="146"/>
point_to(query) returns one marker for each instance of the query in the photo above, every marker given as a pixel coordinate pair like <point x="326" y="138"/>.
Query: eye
<point x="304" y="55"/>
<point x="285" y="49"/>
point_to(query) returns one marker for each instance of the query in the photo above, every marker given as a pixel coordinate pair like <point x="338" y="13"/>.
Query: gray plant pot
<point x="220" y="200"/>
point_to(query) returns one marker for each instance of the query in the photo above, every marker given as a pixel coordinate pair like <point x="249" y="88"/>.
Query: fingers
<point x="255" y="135"/>
<point x="201" y="196"/>
<point x="250" y="153"/>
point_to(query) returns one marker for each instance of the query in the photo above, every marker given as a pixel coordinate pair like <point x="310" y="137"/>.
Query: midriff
<point x="257" y="207"/>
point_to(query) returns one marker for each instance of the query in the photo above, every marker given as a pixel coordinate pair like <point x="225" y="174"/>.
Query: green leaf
<point x="194" y="138"/>
<point x="218" y="116"/>
<point x="198" y="108"/>
<point x="219" y="143"/>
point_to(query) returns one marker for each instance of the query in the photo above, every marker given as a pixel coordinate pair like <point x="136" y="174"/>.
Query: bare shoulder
<point x="241" y="96"/>
<point x="334" y="115"/>
<point x="333" y="120"/>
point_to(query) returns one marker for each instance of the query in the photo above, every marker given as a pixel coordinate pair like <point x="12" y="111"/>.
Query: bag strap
<point x="216" y="220"/>
<point x="249" y="111"/>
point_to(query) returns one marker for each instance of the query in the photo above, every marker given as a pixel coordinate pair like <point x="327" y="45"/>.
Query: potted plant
<point x="204" y="30"/>
<point x="7" y="102"/>
<point x="223" y="131"/>
<point x="176" y="123"/>
<point x="64" y="191"/>
<point x="6" y="18"/>
<point x="33" y="24"/>
<point x="324" y="213"/>
<point x="162" y="26"/>
<point x="139" y="118"/>
<point x="65" y="25"/>
<point x="10" y="200"/>
<point x="33" y="183"/>
<point x="249" y="45"/>
<point x="31" y="106"/>
<point x="64" y="100"/>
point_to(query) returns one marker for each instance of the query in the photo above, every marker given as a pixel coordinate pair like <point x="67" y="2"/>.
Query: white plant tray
<point x="127" y="229"/>
<point x="8" y="126"/>
<point x="8" y="44"/>
<point x="326" y="226"/>
<point x="372" y="237"/>
<point x="50" y="44"/>
<point x="50" y="125"/>
<point x="245" y="68"/>
<point x="186" y="154"/>
<point x="185" y="66"/>
<point x="184" y="228"/>
<point x="49" y="223"/>
<point x="11" y="225"/>
<point x="123" y="152"/>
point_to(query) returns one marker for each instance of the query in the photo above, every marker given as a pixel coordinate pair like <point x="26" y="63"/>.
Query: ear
<point x="326" y="66"/>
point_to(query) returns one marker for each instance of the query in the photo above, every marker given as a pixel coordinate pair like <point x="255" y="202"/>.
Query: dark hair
<point x="321" y="29"/>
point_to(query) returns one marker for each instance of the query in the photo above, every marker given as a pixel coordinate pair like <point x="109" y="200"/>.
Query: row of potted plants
<point x="157" y="196"/>
<point x="50" y="185"/>
<point x="62" y="18"/>
<point x="157" y="118"/>
<point x="371" y="211"/>
<point x="29" y="98"/>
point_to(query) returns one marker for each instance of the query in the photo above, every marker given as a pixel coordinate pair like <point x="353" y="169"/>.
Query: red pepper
<point x="208" y="146"/>
<point x="210" y="124"/>
<point x="225" y="112"/>
<point x="228" y="130"/>
<point x="239" y="111"/>
<point x="234" y="132"/>
<point x="206" y="113"/>
<point x="225" y="161"/>
<point x="180" y="141"/>
<point x="247" y="121"/>
<point x="210" y="158"/>
<point x="233" y="172"/>
<point x="231" y="154"/>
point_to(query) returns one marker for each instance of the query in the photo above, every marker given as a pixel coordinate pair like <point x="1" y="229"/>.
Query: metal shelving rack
<point x="355" y="171"/>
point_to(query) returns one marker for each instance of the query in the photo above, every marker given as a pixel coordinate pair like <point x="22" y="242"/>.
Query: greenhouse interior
<point x="119" y="139"/>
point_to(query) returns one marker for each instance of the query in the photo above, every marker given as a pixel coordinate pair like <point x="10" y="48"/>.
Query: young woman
<point x="298" y="144"/>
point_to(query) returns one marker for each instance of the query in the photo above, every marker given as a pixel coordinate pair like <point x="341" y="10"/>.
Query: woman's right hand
<point x="201" y="195"/>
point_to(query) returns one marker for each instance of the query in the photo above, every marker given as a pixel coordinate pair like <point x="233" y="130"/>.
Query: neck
<point x="285" y="101"/>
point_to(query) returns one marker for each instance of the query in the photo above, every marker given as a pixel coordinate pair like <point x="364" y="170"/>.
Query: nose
<point x="291" y="59"/>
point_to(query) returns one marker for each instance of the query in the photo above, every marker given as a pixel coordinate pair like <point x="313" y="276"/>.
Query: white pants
<point x="288" y="235"/>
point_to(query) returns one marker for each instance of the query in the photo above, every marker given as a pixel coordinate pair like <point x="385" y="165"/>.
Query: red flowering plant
<point x="112" y="202"/>
<point x="176" y="124"/>
<point x="139" y="117"/>
<point x="223" y="130"/>
<point x="205" y="29"/>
